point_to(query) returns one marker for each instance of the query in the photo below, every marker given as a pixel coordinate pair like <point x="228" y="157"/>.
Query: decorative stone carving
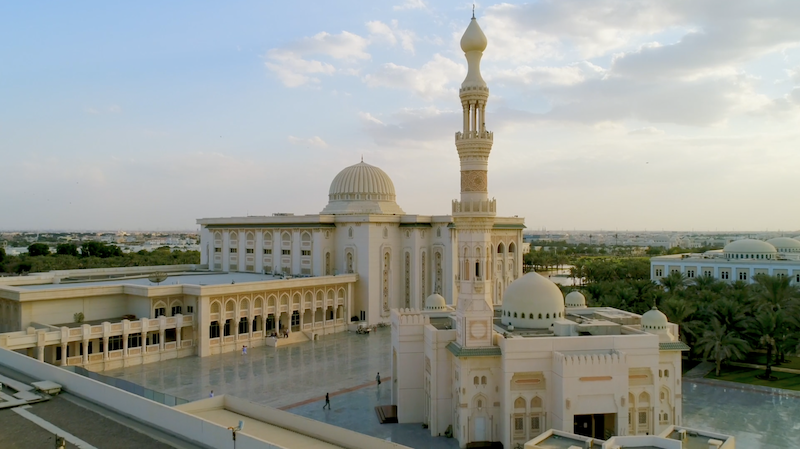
<point x="474" y="181"/>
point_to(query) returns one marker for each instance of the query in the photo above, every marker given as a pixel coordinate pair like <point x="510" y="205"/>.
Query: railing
<point x="307" y="326"/>
<point x="130" y="387"/>
<point x="228" y="339"/>
<point x="134" y="351"/>
<point x="115" y="354"/>
<point x="76" y="360"/>
<point x="95" y="358"/>
<point x="152" y="348"/>
<point x="169" y="346"/>
<point x="186" y="344"/>
<point x="213" y="342"/>
<point x="339" y="320"/>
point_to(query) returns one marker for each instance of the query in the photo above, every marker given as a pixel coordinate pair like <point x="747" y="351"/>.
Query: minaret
<point x="473" y="215"/>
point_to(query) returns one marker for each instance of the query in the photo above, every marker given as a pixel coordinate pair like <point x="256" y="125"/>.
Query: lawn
<point x="748" y="376"/>
<point x="687" y="364"/>
<point x="760" y="358"/>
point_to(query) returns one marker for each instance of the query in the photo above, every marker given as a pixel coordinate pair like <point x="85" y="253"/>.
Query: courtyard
<point x="295" y="378"/>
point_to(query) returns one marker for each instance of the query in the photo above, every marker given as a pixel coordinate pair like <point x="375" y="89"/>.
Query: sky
<point x="607" y="114"/>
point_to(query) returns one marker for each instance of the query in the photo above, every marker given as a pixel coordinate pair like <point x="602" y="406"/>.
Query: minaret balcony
<point x="475" y="207"/>
<point x="482" y="135"/>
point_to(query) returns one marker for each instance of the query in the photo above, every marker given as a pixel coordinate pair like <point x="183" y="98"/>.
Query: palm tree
<point x="777" y="293"/>
<point x="679" y="311"/>
<point x="763" y="328"/>
<point x="709" y="283"/>
<point x="722" y="344"/>
<point x="674" y="281"/>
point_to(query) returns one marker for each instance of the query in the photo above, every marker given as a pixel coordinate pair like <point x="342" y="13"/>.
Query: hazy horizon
<point x="658" y="115"/>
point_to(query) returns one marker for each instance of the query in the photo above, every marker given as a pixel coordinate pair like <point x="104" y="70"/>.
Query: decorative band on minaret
<point x="474" y="142"/>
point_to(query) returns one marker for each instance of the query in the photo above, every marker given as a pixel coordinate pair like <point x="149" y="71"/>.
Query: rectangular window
<point x="214" y="329"/>
<point x="135" y="340"/>
<point x="642" y="417"/>
<point x="249" y="250"/>
<point x="267" y="251"/>
<point x="189" y="309"/>
<point x="160" y="311"/>
<point x="707" y="273"/>
<point x="742" y="276"/>
<point x="217" y="250"/>
<point x="154" y="339"/>
<point x="234" y="250"/>
<point x="227" y="327"/>
<point x="176" y="310"/>
<point x="519" y="426"/>
<point x="659" y="272"/>
<point x="724" y="275"/>
<point x="115" y="343"/>
<point x="295" y="319"/>
<point x="535" y="424"/>
<point x="689" y="273"/>
<point x="305" y="252"/>
<point x="243" y="325"/>
<point x="286" y="252"/>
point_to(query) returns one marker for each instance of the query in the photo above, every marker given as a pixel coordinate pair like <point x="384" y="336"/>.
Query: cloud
<point x="292" y="65"/>
<point x="315" y="141"/>
<point x="647" y="130"/>
<point x="415" y="126"/>
<point x="551" y="28"/>
<point x="431" y="80"/>
<point x="411" y="4"/>
<point x="392" y="34"/>
<point x="565" y="75"/>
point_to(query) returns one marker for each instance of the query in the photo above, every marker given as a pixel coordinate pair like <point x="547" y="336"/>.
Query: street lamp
<point x="234" y="430"/>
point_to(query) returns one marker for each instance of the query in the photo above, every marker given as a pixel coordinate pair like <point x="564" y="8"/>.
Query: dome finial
<point x="473" y="10"/>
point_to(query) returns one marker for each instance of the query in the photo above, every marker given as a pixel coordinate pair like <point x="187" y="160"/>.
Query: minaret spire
<point x="473" y="214"/>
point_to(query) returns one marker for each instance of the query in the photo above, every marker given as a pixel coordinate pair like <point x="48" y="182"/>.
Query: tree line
<point x="91" y="254"/>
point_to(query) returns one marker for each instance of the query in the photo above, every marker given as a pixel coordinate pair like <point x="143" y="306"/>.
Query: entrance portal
<point x="601" y="426"/>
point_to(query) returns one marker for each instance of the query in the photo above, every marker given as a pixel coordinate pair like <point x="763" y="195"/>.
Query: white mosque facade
<point x="485" y="371"/>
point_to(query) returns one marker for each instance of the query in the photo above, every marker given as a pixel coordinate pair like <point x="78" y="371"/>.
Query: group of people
<point x="284" y="333"/>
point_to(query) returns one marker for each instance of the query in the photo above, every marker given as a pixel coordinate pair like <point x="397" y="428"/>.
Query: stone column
<point x="162" y="323"/>
<point x="126" y="328"/>
<point x="202" y="323"/>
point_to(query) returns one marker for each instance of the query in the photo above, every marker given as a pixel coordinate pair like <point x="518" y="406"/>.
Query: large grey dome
<point x="362" y="189"/>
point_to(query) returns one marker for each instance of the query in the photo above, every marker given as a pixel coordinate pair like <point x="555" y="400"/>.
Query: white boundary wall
<point x="144" y="410"/>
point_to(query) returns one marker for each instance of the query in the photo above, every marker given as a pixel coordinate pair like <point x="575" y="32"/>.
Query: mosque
<point x="485" y="371"/>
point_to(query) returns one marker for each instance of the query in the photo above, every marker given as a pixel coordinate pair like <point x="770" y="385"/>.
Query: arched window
<point x="519" y="403"/>
<point x="511" y="247"/>
<point x="385" y="233"/>
<point x="475" y="380"/>
<point x="536" y="402"/>
<point x="483" y="380"/>
<point x="666" y="373"/>
<point x="500" y="248"/>
<point x="350" y="232"/>
<point x="515" y="314"/>
<point x="540" y="316"/>
<point x="547" y="316"/>
<point x="439" y="231"/>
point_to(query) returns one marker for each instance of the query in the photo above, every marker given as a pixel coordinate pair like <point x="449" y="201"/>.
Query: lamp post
<point x="234" y="430"/>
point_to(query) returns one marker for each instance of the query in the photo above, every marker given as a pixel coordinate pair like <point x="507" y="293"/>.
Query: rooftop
<point x="188" y="278"/>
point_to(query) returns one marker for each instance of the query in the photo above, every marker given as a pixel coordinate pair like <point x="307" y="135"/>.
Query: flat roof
<point x="261" y="430"/>
<point x="201" y="278"/>
<point x="561" y="442"/>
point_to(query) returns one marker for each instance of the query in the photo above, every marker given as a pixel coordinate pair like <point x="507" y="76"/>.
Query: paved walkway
<point x="272" y="376"/>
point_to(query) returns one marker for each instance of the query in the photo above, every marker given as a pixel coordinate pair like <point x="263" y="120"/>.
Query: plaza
<point x="296" y="378"/>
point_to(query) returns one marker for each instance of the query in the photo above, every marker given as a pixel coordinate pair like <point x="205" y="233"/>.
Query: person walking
<point x="244" y="349"/>
<point x="327" y="402"/>
<point x="378" y="379"/>
<point x="212" y="394"/>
